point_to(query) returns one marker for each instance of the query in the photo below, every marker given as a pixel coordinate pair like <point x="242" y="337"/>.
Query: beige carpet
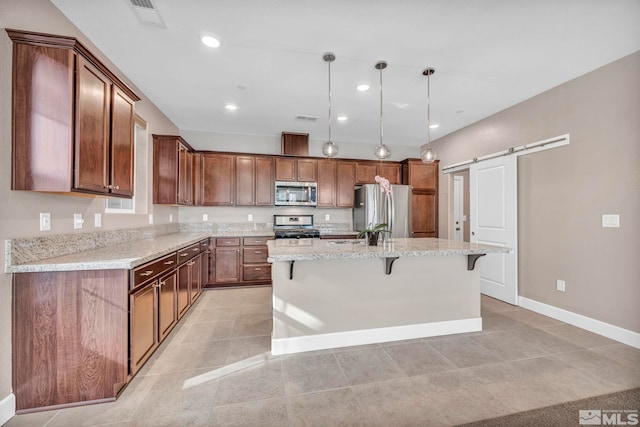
<point x="567" y="414"/>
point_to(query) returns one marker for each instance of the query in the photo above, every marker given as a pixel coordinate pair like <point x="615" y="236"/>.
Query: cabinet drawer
<point x="152" y="269"/>
<point x="255" y="254"/>
<point x="204" y="245"/>
<point x="227" y="241"/>
<point x="255" y="241"/>
<point x="256" y="272"/>
<point x="188" y="252"/>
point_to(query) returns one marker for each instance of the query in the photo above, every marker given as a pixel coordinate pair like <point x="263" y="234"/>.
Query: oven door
<point x="295" y="193"/>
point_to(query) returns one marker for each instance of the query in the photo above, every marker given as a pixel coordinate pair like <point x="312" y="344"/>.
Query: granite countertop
<point x="123" y="256"/>
<point x="318" y="249"/>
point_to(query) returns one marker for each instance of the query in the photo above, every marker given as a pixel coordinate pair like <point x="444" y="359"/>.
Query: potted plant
<point x="372" y="234"/>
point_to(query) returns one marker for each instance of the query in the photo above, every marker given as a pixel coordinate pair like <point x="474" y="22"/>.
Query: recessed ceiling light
<point x="434" y="125"/>
<point x="210" y="40"/>
<point x="341" y="118"/>
<point x="231" y="107"/>
<point x="363" y="87"/>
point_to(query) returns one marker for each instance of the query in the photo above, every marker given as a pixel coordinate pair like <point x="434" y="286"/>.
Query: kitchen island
<point x="338" y="293"/>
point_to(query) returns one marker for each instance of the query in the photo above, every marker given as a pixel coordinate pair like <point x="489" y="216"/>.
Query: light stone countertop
<point x="123" y="256"/>
<point x="322" y="249"/>
<point x="126" y="255"/>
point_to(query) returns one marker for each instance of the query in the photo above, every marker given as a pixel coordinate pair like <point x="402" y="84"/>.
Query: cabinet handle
<point x="117" y="187"/>
<point x="195" y="249"/>
<point x="257" y="268"/>
<point x="169" y="262"/>
<point x="257" y="252"/>
<point x="190" y="263"/>
<point x="147" y="273"/>
<point x="184" y="254"/>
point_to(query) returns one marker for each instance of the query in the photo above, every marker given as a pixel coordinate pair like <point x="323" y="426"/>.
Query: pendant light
<point x="428" y="154"/>
<point x="382" y="151"/>
<point x="329" y="148"/>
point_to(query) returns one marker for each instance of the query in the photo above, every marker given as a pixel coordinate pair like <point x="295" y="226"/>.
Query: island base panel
<point x="337" y="303"/>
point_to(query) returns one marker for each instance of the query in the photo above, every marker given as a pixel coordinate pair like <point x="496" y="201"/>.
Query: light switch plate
<point x="249" y="217"/>
<point x="98" y="220"/>
<point x="170" y="217"/>
<point x="327" y="217"/>
<point x="205" y="217"/>
<point x="560" y="285"/>
<point x="611" y="221"/>
<point x="150" y="218"/>
<point x="45" y="221"/>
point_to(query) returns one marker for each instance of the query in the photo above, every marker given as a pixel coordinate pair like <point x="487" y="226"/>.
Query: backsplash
<point x="24" y="250"/>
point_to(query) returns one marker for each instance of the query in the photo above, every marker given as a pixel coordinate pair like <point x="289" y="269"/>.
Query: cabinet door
<point x="245" y="180"/>
<point x="196" y="279"/>
<point x="423" y="176"/>
<point x="217" y="184"/>
<point x="391" y="171"/>
<point x="265" y="187"/>
<point x="307" y="170"/>
<point x="185" y="176"/>
<point x="143" y="335"/>
<point x="93" y="100"/>
<point x="366" y="172"/>
<point x="424" y="214"/>
<point x="326" y="183"/>
<point x="184" y="281"/>
<point x="285" y="169"/>
<point x="167" y="316"/>
<point x="227" y="268"/>
<point x="346" y="177"/>
<point x="122" y="143"/>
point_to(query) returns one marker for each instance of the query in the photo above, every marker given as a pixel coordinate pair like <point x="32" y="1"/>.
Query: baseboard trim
<point x="7" y="408"/>
<point x="372" y="336"/>
<point x="613" y="332"/>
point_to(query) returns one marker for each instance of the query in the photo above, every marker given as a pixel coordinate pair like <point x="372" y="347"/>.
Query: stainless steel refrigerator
<point x="372" y="206"/>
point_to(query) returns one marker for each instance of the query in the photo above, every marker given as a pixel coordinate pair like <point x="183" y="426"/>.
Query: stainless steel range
<point x="294" y="227"/>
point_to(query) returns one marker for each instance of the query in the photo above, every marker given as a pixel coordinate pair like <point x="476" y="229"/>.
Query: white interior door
<point x="494" y="221"/>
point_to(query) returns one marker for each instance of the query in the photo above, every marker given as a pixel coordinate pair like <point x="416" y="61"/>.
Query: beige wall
<point x="19" y="211"/>
<point x="563" y="192"/>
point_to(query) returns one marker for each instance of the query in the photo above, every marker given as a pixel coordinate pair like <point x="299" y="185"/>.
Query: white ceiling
<point x="488" y="55"/>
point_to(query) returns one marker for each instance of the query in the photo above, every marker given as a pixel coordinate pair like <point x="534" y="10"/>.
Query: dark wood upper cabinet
<point x="172" y="171"/>
<point x="73" y="119"/>
<point x="326" y="183"/>
<point x="265" y="178"/>
<point x="254" y="180"/>
<point x="346" y="179"/>
<point x="217" y="181"/>
<point x="366" y="171"/>
<point x="423" y="177"/>
<point x="292" y="169"/>
<point x="295" y="144"/>
<point x="391" y="171"/>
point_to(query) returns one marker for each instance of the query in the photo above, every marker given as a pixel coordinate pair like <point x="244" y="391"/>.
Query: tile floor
<point x="215" y="369"/>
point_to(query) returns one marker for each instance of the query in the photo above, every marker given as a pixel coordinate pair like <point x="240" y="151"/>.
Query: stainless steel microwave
<point x="296" y="193"/>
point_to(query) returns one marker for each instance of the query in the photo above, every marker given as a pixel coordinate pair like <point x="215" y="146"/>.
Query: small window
<point x="130" y="206"/>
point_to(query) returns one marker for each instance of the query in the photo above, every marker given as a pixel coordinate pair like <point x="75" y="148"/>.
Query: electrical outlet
<point x="45" y="221"/>
<point x="150" y="218"/>
<point x="77" y="221"/>
<point x="611" y="221"/>
<point x="327" y="217"/>
<point x="205" y="217"/>
<point x="560" y="285"/>
<point x="98" y="220"/>
<point x="250" y="217"/>
<point x="170" y="217"/>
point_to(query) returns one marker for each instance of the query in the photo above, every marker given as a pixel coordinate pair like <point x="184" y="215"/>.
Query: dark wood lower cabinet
<point x="80" y="336"/>
<point x="70" y="337"/>
<point x="238" y="261"/>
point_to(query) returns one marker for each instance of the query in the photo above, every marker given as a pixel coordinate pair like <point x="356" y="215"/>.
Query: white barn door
<point x="494" y="221"/>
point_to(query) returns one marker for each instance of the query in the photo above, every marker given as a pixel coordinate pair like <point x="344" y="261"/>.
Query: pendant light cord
<point x="381" y="67"/>
<point x="428" y="111"/>
<point x="329" y="63"/>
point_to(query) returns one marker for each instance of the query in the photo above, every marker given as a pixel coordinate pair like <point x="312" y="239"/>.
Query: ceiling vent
<point x="306" y="118"/>
<point x="147" y="13"/>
